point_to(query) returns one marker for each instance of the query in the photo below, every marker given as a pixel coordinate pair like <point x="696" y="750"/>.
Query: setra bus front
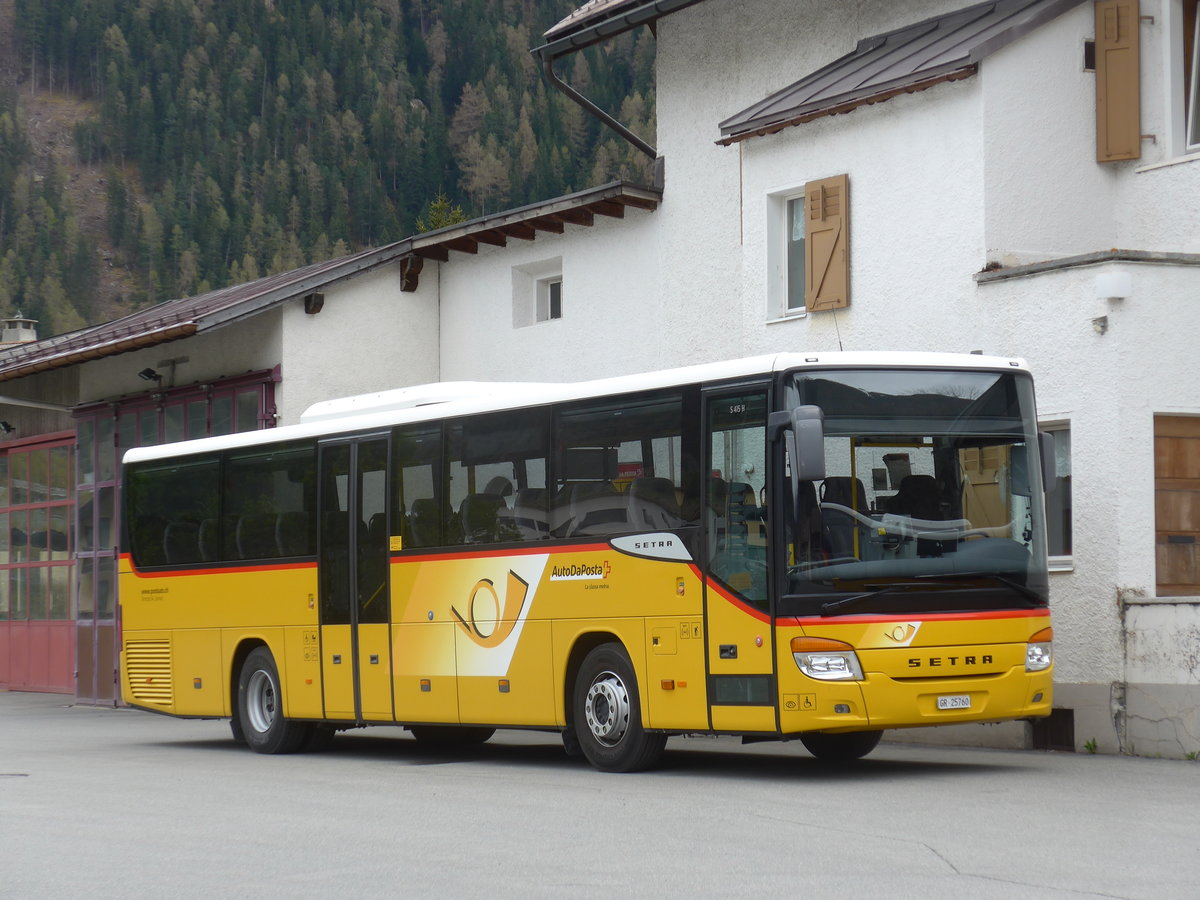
<point x="913" y="585"/>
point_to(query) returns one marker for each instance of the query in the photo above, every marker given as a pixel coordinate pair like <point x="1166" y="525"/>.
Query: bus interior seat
<point x="653" y="504"/>
<point x="255" y="536"/>
<point x="181" y="542"/>
<point x="840" y="528"/>
<point x="291" y="534"/>
<point x="210" y="540"/>
<point x="591" y="507"/>
<point x="425" y="523"/>
<point x="480" y="514"/>
<point x="919" y="497"/>
<point x="377" y="531"/>
<point x="529" y="513"/>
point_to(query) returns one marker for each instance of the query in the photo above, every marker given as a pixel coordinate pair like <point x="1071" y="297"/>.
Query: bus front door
<point x="740" y="639"/>
<point x="356" y="661"/>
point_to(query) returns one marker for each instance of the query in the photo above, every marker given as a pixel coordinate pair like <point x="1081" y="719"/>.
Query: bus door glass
<point x="353" y="561"/>
<point x="740" y="655"/>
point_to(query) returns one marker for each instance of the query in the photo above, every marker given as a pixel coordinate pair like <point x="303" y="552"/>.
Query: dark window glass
<point x="270" y="496"/>
<point x="416" y="460"/>
<point x="624" y="464"/>
<point x="167" y="503"/>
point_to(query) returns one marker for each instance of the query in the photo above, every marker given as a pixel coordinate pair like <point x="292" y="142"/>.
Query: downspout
<point x="643" y="14"/>
<point x="594" y="110"/>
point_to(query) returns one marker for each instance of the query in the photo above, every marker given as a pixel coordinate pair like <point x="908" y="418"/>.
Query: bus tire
<point x="608" y="714"/>
<point x="260" y="707"/>
<point x="840" y="747"/>
<point x="449" y="735"/>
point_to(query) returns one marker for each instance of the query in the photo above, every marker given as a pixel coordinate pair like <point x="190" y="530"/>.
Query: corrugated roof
<point x="187" y="316"/>
<point x="944" y="48"/>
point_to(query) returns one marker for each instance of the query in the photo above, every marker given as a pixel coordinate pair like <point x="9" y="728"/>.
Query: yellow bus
<point x="815" y="547"/>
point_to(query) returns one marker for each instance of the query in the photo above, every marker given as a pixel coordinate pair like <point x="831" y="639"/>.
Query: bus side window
<point x="417" y="490"/>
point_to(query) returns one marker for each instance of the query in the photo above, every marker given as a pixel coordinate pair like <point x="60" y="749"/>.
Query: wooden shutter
<point x="827" y="244"/>
<point x="1177" y="504"/>
<point x="1118" y="89"/>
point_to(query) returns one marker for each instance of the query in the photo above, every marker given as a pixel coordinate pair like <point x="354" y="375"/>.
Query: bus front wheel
<point x="608" y="714"/>
<point x="260" y="707"/>
<point x="840" y="747"/>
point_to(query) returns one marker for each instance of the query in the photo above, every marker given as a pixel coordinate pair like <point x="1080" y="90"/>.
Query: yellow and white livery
<point x="815" y="547"/>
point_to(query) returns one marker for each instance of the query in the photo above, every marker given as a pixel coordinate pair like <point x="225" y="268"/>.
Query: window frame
<point x="1060" y="562"/>
<point x="782" y="206"/>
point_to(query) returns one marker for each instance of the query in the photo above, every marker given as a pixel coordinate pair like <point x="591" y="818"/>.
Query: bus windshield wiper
<point x="876" y="590"/>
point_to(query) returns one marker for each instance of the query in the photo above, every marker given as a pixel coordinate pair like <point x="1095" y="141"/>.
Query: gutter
<point x="573" y="41"/>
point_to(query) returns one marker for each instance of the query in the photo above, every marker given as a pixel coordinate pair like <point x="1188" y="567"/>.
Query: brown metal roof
<point x="187" y="316"/>
<point x="944" y="48"/>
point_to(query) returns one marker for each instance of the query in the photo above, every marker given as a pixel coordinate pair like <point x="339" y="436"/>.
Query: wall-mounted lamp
<point x="1100" y="324"/>
<point x="7" y="428"/>
<point x="314" y="303"/>
<point x="148" y="374"/>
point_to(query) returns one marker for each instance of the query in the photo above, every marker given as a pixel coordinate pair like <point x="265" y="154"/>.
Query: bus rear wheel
<point x="840" y="747"/>
<point x="260" y="707"/>
<point x="608" y="714"/>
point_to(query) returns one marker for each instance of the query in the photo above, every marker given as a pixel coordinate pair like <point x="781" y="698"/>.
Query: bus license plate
<point x="954" y="701"/>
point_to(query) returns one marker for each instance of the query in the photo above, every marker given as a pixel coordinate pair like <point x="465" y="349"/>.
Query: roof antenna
<point x="837" y="329"/>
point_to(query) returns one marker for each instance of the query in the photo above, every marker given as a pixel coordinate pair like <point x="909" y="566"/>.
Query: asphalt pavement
<point x="101" y="803"/>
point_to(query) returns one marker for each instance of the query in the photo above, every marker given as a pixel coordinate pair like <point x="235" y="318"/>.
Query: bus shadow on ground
<point x="760" y="762"/>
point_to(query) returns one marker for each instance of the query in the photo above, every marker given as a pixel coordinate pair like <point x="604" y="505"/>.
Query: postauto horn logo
<point x="488" y="621"/>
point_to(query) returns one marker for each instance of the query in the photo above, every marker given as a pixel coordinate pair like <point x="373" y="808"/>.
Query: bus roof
<point x="382" y="409"/>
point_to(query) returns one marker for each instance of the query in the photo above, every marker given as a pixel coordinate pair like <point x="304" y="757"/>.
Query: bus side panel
<point x="630" y="633"/>
<point x="423" y="672"/>
<point x="740" y="663"/>
<point x="301" y="673"/>
<point x="522" y="695"/>
<point x="674" y="692"/>
<point x="198" y="675"/>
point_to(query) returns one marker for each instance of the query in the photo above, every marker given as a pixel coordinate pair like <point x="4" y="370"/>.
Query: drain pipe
<point x="557" y="46"/>
<point x="593" y="109"/>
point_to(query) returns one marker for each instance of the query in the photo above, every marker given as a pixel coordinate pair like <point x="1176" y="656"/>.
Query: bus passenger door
<point x="739" y="634"/>
<point x="356" y="660"/>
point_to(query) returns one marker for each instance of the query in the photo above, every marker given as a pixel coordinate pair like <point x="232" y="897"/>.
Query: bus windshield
<point x="931" y="499"/>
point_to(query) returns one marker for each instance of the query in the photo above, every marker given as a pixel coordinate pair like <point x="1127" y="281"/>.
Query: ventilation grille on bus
<point x="149" y="666"/>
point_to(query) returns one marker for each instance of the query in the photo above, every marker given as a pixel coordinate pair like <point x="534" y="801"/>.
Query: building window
<point x="537" y="291"/>
<point x="1058" y="500"/>
<point x="1191" y="72"/>
<point x="549" y="299"/>
<point x="808" y="258"/>
<point x="794" y="291"/>
<point x="785" y="253"/>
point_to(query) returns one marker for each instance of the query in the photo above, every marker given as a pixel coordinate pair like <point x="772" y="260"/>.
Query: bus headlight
<point x="1039" y="652"/>
<point x="826" y="659"/>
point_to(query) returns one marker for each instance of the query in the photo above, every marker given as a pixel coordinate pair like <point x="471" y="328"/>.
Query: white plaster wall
<point x="612" y="316"/>
<point x="916" y="234"/>
<point x="246" y="346"/>
<point x="369" y="336"/>
<point x="1046" y="194"/>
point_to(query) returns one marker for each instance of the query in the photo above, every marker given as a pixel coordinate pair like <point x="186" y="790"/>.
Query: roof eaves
<point x="942" y="48"/>
<point x="848" y="103"/>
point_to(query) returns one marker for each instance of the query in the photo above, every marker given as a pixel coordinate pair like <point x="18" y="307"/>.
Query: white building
<point x="1019" y="177"/>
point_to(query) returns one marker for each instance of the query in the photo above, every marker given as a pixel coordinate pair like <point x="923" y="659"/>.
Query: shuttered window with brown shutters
<point x="827" y="244"/>
<point x="1118" y="88"/>
<point x="1177" y="504"/>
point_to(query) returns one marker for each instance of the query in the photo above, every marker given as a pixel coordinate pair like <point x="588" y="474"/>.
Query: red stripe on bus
<point x="402" y="555"/>
<point x="218" y="569"/>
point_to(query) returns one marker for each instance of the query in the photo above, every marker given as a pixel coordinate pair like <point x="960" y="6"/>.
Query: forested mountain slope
<point x="214" y="141"/>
